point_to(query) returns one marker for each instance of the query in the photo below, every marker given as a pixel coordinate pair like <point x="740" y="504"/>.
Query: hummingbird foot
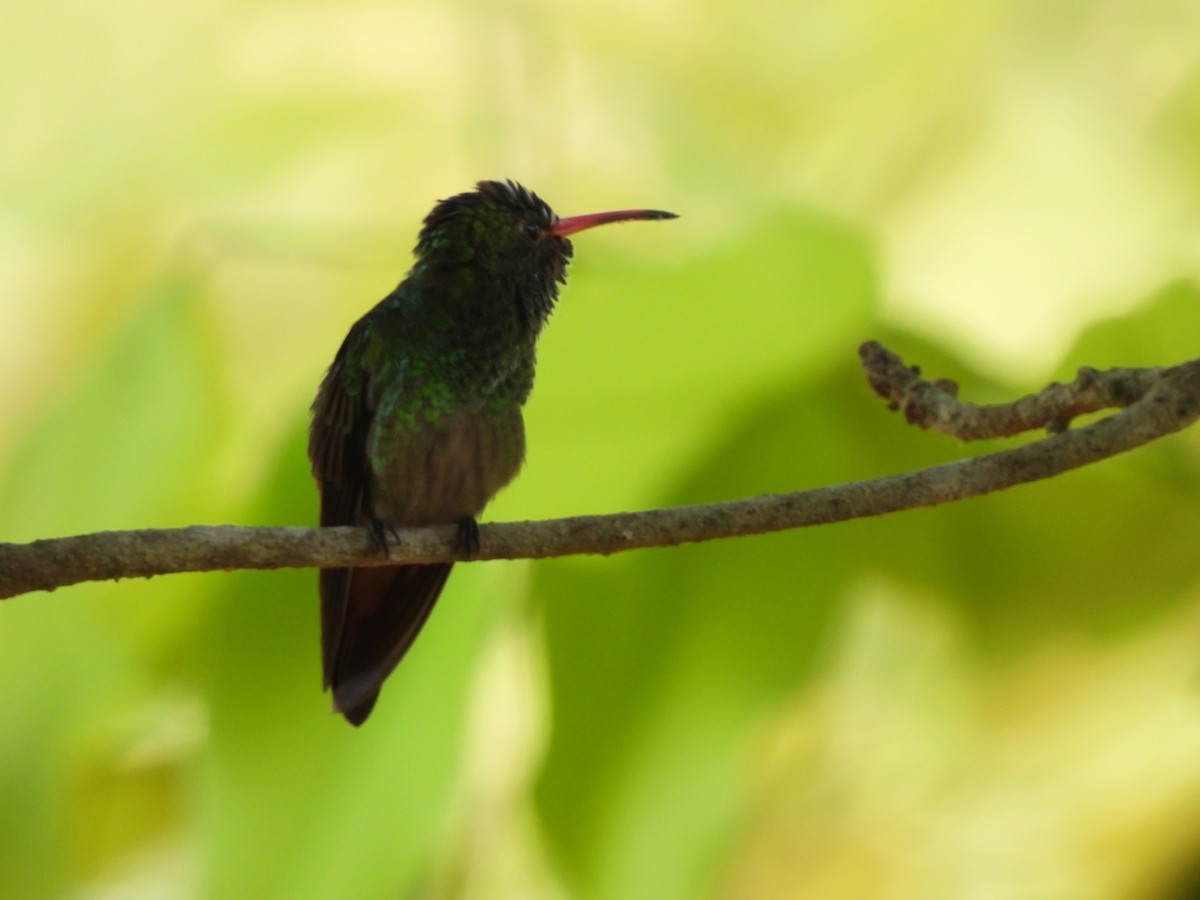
<point x="379" y="533"/>
<point x="468" y="536"/>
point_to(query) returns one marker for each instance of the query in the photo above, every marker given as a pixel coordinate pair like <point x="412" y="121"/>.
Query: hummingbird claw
<point x="379" y="533"/>
<point x="468" y="536"/>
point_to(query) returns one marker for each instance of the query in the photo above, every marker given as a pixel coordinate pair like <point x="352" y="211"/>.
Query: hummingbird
<point x="418" y="420"/>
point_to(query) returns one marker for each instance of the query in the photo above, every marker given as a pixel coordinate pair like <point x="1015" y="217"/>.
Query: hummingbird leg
<point x="468" y="536"/>
<point x="379" y="533"/>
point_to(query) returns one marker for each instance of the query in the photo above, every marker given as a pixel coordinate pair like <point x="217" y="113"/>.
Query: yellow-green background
<point x="999" y="699"/>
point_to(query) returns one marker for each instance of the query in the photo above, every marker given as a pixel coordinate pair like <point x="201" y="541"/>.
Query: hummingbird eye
<point x="532" y="230"/>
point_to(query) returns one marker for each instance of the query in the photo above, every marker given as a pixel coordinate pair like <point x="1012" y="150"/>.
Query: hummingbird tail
<point x="384" y="609"/>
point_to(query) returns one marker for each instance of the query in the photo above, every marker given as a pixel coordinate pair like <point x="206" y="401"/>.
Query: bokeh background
<point x="991" y="700"/>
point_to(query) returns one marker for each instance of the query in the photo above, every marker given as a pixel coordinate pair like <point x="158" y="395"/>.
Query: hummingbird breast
<point x="444" y="470"/>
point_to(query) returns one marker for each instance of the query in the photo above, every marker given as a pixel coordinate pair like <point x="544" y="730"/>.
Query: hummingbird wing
<point x="369" y="616"/>
<point x="337" y="447"/>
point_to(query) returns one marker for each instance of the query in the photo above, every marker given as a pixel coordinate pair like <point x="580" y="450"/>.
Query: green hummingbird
<point x="418" y="420"/>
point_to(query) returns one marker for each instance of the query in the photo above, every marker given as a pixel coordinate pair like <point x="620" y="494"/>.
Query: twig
<point x="1155" y="402"/>
<point x="935" y="404"/>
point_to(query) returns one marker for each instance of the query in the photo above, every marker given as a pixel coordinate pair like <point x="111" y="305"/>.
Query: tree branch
<point x="1155" y="402"/>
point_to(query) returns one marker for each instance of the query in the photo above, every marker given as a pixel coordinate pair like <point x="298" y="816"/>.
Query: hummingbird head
<point x="512" y="239"/>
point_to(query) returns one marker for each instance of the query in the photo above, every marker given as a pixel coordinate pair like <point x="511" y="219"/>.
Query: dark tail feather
<point x="368" y="633"/>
